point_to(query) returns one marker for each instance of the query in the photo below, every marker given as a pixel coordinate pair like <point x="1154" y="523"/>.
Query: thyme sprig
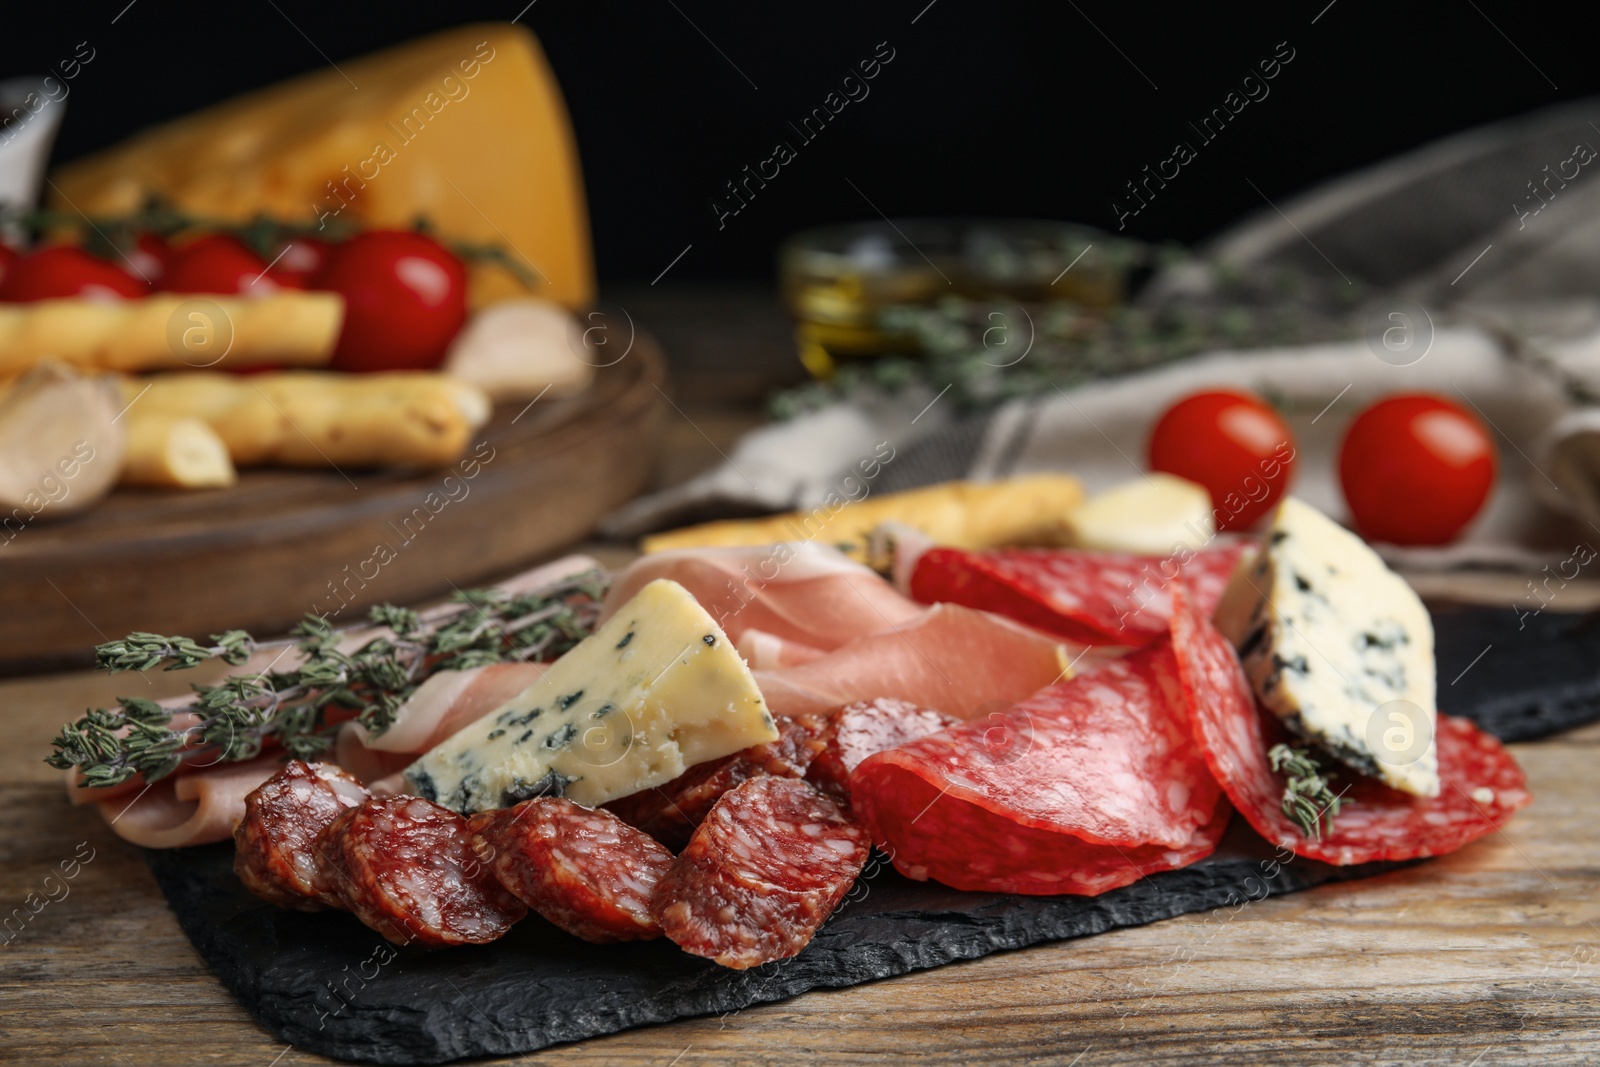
<point x="1308" y="798"/>
<point x="301" y="707"/>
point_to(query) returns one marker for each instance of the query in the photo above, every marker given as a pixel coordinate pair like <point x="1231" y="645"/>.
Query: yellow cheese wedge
<point x="467" y="128"/>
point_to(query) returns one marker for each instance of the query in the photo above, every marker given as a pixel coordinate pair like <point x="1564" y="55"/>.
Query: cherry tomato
<point x="64" y="271"/>
<point x="405" y="299"/>
<point x="1235" y="445"/>
<point x="219" y="263"/>
<point x="147" y="259"/>
<point x="298" y="260"/>
<point x="8" y="257"/>
<point x="1415" y="469"/>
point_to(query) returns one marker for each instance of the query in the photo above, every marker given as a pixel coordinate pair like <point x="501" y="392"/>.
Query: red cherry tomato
<point x="1235" y="445"/>
<point x="147" y="259"/>
<point x="405" y="299"/>
<point x="8" y="257"/>
<point x="219" y="263"/>
<point x="64" y="271"/>
<point x="1415" y="469"/>
<point x="298" y="260"/>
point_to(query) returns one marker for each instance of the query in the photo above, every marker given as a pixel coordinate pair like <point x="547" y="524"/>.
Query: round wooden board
<point x="261" y="554"/>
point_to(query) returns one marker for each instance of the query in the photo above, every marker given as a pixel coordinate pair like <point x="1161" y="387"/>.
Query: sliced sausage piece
<point x="856" y="731"/>
<point x="762" y="873"/>
<point x="670" y="812"/>
<point x="583" y="869"/>
<point x="405" y="867"/>
<point x="276" y="841"/>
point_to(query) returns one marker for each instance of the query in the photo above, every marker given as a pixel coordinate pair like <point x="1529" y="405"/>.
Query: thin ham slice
<point x="768" y="652"/>
<point x="962" y="662"/>
<point x="799" y="592"/>
<point x="192" y="809"/>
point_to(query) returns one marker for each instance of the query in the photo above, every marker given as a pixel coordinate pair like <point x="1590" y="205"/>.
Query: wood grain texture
<point x="1492" y="954"/>
<point x="261" y="554"/>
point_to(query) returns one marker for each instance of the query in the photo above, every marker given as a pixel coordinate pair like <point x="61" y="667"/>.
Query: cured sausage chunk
<point x="583" y="869"/>
<point x="1480" y="784"/>
<point x="1098" y="598"/>
<point x="670" y="812"/>
<point x="762" y="873"/>
<point x="856" y="731"/>
<point x="276" y="841"/>
<point x="405" y="867"/>
<point x="1087" y="785"/>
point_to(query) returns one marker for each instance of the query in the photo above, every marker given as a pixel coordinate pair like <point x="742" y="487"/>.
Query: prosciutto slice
<point x="962" y="662"/>
<point x="802" y="593"/>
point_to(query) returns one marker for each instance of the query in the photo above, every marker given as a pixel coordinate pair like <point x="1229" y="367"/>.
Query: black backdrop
<point x="1041" y="109"/>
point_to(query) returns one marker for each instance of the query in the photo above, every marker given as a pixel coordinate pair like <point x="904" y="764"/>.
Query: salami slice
<point x="585" y="870"/>
<point x="762" y="873"/>
<point x="1096" y="598"/>
<point x="405" y="867"/>
<point x="276" y="841"/>
<point x="1085" y="786"/>
<point x="670" y="812"/>
<point x="856" y="731"/>
<point x="1480" y="783"/>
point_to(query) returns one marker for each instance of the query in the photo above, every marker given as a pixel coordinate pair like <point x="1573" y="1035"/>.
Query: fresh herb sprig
<point x="1308" y="796"/>
<point x="302" y="706"/>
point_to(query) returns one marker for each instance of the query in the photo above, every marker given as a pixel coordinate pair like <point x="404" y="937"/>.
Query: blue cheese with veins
<point x="654" y="691"/>
<point x="1339" y="647"/>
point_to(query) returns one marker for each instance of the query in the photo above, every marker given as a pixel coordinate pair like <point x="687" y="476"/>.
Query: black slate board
<point x="327" y="984"/>
<point x="1520" y="676"/>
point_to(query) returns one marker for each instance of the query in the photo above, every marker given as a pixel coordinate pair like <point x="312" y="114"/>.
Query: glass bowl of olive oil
<point x="836" y="281"/>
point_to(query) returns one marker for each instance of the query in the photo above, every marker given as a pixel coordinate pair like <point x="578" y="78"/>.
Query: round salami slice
<point x="1480" y="783"/>
<point x="762" y="873"/>
<point x="929" y="834"/>
<point x="585" y="870"/>
<point x="1096" y="598"/>
<point x="405" y="867"/>
<point x="276" y="841"/>
<point x="856" y="731"/>
<point x="670" y="812"/>
<point x="1047" y="795"/>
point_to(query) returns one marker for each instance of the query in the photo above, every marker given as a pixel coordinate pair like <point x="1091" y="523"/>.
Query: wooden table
<point x="1483" y="958"/>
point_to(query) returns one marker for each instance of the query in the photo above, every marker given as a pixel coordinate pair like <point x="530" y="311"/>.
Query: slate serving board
<point x="327" y="984"/>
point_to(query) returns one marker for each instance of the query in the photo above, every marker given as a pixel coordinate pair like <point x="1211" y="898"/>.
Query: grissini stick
<point x="172" y="331"/>
<point x="61" y="445"/>
<point x="318" y="419"/>
<point x="174" y="453"/>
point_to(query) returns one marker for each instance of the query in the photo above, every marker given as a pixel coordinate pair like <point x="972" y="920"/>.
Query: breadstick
<point x="174" y="453"/>
<point x="1025" y="510"/>
<point x="60" y="445"/>
<point x="312" y="419"/>
<point x="172" y="330"/>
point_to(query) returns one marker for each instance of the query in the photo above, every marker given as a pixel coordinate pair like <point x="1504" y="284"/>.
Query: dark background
<point x="1024" y="109"/>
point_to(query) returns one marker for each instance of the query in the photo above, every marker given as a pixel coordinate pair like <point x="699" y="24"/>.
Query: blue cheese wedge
<point x="1339" y="647"/>
<point x="654" y="691"/>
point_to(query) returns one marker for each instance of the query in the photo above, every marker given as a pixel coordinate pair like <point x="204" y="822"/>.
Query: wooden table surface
<point x="1486" y="957"/>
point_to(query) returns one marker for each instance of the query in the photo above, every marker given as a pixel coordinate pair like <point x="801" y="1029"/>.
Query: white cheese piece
<point x="1339" y="647"/>
<point x="1153" y="515"/>
<point x="655" y="690"/>
<point x="520" y="349"/>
